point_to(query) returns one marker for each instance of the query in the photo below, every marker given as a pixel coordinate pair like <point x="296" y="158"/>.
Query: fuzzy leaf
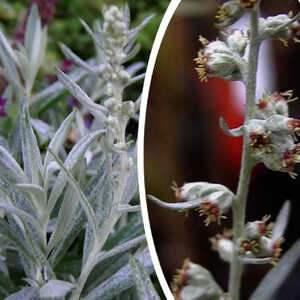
<point x="73" y="158"/>
<point x="31" y="293"/>
<point x="95" y="109"/>
<point x="59" y="139"/>
<point x="144" y="286"/>
<point x="47" y="95"/>
<point x="256" y="261"/>
<point x="120" y="281"/>
<point x="10" y="168"/>
<point x="236" y="132"/>
<point x="82" y="198"/>
<point x="278" y="275"/>
<point x="55" y="289"/>
<point x="76" y="59"/>
<point x="30" y="150"/>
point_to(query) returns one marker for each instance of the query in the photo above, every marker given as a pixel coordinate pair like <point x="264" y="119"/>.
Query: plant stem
<point x="239" y="205"/>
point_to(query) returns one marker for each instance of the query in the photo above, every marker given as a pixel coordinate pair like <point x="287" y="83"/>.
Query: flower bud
<point x="228" y="13"/>
<point x="128" y="108"/>
<point x="237" y="42"/>
<point x="255" y="230"/>
<point x="195" y="282"/>
<point x="216" y="59"/>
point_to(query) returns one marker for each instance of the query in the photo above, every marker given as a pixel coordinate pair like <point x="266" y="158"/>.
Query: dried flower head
<point x="228" y="13"/>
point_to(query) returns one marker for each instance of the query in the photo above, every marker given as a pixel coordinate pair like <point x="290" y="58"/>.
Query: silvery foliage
<point x="48" y="198"/>
<point x="269" y="138"/>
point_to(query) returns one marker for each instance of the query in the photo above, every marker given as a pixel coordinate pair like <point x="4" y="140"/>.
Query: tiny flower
<point x="269" y="28"/>
<point x="88" y="119"/>
<point x="73" y="102"/>
<point x="222" y="243"/>
<point x="195" y="282"/>
<point x="216" y="59"/>
<point x="259" y="139"/>
<point x="228" y="13"/>
<point x="3" y="112"/>
<point x="46" y="10"/>
<point x="214" y="200"/>
<point x="275" y="103"/>
<point x="255" y="230"/>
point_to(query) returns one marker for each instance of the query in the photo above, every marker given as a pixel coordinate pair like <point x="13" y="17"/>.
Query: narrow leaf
<point x="10" y="168"/>
<point x="120" y="281"/>
<point x="55" y="289"/>
<point x="281" y="221"/>
<point x="76" y="59"/>
<point x="30" y="150"/>
<point x="59" y="139"/>
<point x="31" y="293"/>
<point x="144" y="286"/>
<point x="83" y="200"/>
<point x="121" y="248"/>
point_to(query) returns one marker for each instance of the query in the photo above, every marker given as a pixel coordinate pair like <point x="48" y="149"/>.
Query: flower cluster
<point x="213" y="200"/>
<point x="195" y="282"/>
<point x="218" y="59"/>
<point x="272" y="134"/>
<point x="115" y="33"/>
<point x="257" y="242"/>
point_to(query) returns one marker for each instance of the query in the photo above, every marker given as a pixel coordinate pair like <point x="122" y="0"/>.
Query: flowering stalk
<point x="269" y="136"/>
<point x="239" y="205"/>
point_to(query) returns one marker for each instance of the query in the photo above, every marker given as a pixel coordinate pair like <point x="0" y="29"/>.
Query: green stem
<point x="239" y="205"/>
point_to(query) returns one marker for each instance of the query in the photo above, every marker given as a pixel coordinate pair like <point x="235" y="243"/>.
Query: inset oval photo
<point x="221" y="127"/>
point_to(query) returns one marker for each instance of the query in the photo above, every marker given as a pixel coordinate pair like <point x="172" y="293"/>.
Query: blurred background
<point x="183" y="143"/>
<point x="62" y="18"/>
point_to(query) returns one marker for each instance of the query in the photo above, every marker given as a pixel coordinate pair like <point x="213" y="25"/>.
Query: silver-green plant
<point x="47" y="198"/>
<point x="269" y="137"/>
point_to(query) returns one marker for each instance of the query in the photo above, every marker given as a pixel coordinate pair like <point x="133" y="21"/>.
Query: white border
<point x="141" y="133"/>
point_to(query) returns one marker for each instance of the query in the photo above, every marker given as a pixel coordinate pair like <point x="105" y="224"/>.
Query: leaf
<point x="131" y="186"/>
<point x="44" y="97"/>
<point x="82" y="198"/>
<point x="16" y="240"/>
<point x="281" y="221"/>
<point x="133" y="33"/>
<point x="256" y="261"/>
<point x="121" y="248"/>
<point x="144" y="286"/>
<point x="93" y="36"/>
<point x="129" y="208"/>
<point x="43" y="130"/>
<point x="236" y="132"/>
<point x="95" y="109"/>
<point x="58" y="139"/>
<point x="55" y="289"/>
<point x="31" y="293"/>
<point x="102" y="197"/>
<point x="267" y="288"/>
<point x="120" y="281"/>
<point x="10" y="168"/>
<point x="30" y="150"/>
<point x="73" y="158"/>
<point x="76" y="59"/>
<point x="37" y="193"/>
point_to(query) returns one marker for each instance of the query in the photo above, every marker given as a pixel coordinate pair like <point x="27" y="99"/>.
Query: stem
<point x="239" y="205"/>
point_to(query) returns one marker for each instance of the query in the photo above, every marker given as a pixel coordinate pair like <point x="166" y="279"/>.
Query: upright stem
<point x="239" y="205"/>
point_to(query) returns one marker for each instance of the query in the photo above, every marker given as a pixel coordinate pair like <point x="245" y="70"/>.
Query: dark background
<point x="184" y="143"/>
